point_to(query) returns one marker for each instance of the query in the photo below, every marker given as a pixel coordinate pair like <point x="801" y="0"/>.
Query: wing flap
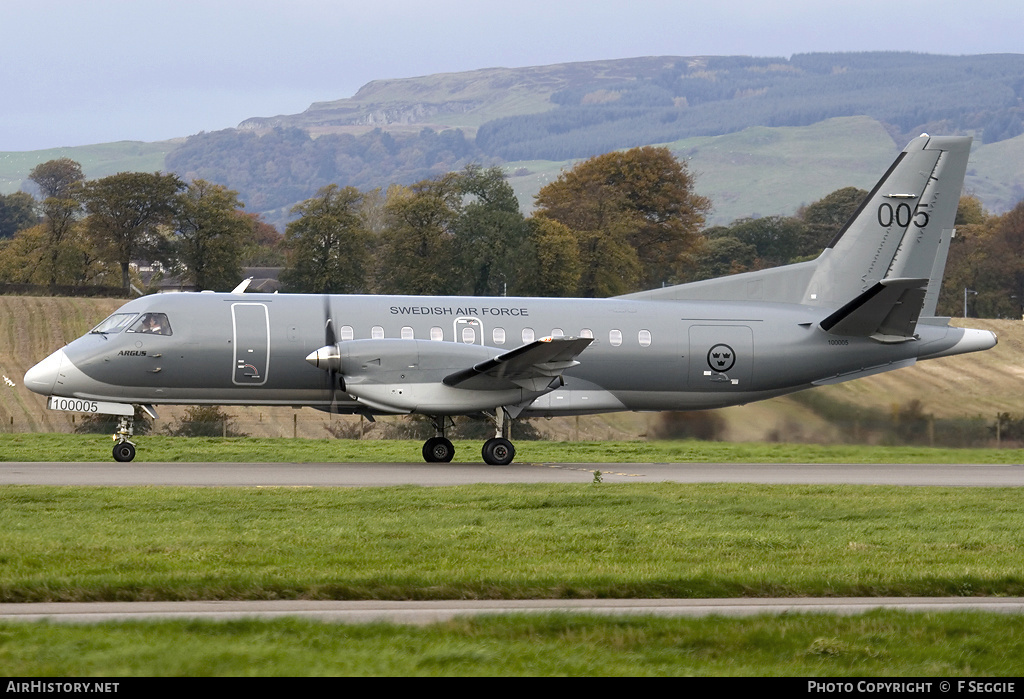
<point x="533" y="366"/>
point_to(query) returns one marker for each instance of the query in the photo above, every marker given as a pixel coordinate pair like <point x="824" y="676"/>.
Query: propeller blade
<point x="329" y="338"/>
<point x="330" y="354"/>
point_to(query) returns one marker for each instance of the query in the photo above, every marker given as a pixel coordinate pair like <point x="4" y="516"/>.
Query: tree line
<point x="616" y="223"/>
<point x="82" y="233"/>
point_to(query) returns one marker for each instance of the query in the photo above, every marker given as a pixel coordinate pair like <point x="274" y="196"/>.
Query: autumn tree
<point x="126" y="211"/>
<point x="265" y="247"/>
<point x="1009" y="255"/>
<point x="17" y="212"/>
<point x="327" y="245"/>
<point x="635" y="215"/>
<point x="722" y="254"/>
<point x="57" y="178"/>
<point x="777" y="240"/>
<point x="985" y="257"/>
<point x="27" y="259"/>
<point x="211" y="236"/>
<point x="827" y="216"/>
<point x="416" y="248"/>
<point x="554" y="268"/>
<point x="59" y="182"/>
<point x="489" y="232"/>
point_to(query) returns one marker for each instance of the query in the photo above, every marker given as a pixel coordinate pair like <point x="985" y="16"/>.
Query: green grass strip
<point x="507" y="541"/>
<point x="72" y="447"/>
<point x="878" y="644"/>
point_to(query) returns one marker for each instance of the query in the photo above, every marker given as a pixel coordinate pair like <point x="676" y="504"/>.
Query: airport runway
<point x="389" y="474"/>
<point x="429" y="612"/>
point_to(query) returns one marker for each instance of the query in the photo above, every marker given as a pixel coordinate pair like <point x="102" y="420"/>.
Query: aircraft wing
<point x="534" y="366"/>
<point x="887" y="312"/>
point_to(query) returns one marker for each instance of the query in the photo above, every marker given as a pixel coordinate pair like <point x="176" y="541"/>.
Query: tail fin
<point x="901" y="231"/>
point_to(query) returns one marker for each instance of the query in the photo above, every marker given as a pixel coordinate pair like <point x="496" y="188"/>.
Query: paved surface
<point x="374" y="474"/>
<point x="438" y="611"/>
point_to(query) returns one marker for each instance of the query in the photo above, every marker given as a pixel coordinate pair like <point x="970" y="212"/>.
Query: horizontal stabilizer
<point x="533" y="366"/>
<point x="887" y="312"/>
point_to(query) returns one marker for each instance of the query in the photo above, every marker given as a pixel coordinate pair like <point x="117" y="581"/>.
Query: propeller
<point x="328" y="357"/>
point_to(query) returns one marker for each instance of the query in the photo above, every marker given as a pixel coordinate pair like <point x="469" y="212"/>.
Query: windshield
<point x="152" y="324"/>
<point x="115" y="323"/>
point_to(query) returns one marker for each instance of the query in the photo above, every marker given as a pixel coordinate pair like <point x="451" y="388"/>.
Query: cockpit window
<point x="152" y="324"/>
<point x="115" y="323"/>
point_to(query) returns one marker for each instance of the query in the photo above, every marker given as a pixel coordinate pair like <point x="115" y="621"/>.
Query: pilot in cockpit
<point x="152" y="324"/>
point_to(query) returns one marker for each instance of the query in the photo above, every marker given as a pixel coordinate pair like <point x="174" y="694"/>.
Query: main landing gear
<point x="439" y="449"/>
<point x="124" y="448"/>
<point x="497" y="451"/>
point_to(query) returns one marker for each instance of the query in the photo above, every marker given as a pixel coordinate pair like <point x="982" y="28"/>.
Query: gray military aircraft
<point x="866" y="305"/>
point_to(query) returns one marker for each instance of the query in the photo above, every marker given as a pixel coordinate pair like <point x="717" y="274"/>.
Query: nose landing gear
<point x="124" y="448"/>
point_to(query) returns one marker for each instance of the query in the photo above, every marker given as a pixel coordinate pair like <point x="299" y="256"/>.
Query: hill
<point x="967" y="386"/>
<point x="845" y="116"/>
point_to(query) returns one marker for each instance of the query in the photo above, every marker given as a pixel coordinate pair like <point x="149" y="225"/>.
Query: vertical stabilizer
<point x="901" y="230"/>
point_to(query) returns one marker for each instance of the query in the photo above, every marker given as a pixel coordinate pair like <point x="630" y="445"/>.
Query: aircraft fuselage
<point x="251" y="349"/>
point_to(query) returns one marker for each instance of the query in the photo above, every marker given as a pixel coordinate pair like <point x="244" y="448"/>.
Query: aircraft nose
<point x="41" y="377"/>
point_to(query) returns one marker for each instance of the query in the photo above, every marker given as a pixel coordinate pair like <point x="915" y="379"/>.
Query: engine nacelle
<point x="404" y="376"/>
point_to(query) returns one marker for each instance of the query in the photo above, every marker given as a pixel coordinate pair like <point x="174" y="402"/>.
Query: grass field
<point x="531" y="541"/>
<point x="879" y="644"/>
<point x="507" y="542"/>
<point x="159" y="448"/>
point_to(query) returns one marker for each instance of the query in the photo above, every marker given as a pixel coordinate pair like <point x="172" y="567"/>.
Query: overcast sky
<point x="75" y="72"/>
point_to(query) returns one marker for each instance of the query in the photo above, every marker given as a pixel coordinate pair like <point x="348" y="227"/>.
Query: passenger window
<point x="587" y="332"/>
<point x="407" y="333"/>
<point x="645" y="338"/>
<point x="377" y="332"/>
<point x="498" y="336"/>
<point x="468" y="335"/>
<point x="347" y="332"/>
<point x="436" y="334"/>
<point x="528" y="335"/>
<point x="557" y="332"/>
<point x="151" y="324"/>
<point x="615" y="338"/>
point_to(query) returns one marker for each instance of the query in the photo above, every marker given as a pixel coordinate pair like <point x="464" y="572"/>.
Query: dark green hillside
<point x="690" y="97"/>
<point x="285" y="165"/>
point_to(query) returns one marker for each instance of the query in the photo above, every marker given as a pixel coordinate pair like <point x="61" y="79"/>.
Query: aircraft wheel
<point x="438" y="450"/>
<point x="124" y="451"/>
<point x="498" y="451"/>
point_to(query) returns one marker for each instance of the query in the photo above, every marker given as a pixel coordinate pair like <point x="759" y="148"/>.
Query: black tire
<point x="498" y="452"/>
<point x="438" y="450"/>
<point x="124" y="451"/>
